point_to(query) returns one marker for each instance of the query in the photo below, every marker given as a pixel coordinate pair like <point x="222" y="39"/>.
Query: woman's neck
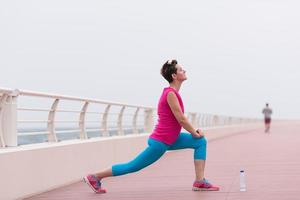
<point x="175" y="85"/>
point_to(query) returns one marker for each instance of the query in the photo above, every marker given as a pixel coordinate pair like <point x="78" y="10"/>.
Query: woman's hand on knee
<point x="198" y="133"/>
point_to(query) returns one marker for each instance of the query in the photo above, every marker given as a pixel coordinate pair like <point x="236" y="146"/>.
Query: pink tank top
<point x="167" y="128"/>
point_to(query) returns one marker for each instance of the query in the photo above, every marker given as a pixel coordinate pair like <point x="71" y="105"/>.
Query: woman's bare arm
<point x="181" y="118"/>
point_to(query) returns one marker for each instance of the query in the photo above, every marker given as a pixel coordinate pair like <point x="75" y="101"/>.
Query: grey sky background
<point x="238" y="54"/>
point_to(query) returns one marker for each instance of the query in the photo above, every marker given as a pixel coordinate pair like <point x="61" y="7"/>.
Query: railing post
<point x="207" y="120"/>
<point x="120" y="120"/>
<point x="148" y="120"/>
<point x="194" y="119"/>
<point x="198" y="120"/>
<point x="201" y="123"/>
<point x="2" y="101"/>
<point x="51" y="127"/>
<point x="9" y="119"/>
<point x="203" y="120"/>
<point x="104" y="121"/>
<point x="83" y="134"/>
<point x="211" y="120"/>
<point x="229" y="120"/>
<point x="134" y="121"/>
<point x="215" y="120"/>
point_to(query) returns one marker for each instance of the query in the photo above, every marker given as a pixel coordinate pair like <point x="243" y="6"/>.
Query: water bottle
<point x="242" y="181"/>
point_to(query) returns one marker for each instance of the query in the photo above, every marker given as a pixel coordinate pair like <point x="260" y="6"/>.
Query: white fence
<point x="140" y="118"/>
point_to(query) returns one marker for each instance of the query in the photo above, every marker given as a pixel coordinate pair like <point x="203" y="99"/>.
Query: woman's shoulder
<point x="168" y="90"/>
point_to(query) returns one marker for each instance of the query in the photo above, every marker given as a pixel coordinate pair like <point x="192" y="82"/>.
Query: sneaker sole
<point x="204" y="189"/>
<point x="88" y="183"/>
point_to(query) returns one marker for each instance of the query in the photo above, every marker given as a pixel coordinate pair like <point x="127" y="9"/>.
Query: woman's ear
<point x="174" y="76"/>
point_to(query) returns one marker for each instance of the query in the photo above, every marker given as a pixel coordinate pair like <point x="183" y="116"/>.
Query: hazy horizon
<point x="238" y="54"/>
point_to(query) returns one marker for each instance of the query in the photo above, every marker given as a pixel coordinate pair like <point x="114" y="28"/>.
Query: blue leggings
<point x="156" y="149"/>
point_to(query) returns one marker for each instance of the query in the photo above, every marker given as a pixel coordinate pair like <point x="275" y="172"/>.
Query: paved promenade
<point x="271" y="163"/>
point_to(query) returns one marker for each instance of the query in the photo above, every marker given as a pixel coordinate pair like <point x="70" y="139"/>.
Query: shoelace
<point x="207" y="183"/>
<point x="98" y="183"/>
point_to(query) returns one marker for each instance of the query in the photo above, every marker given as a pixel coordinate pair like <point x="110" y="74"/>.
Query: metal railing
<point x="9" y="110"/>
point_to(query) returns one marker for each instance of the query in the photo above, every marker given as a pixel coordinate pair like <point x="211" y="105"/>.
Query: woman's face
<point x="180" y="74"/>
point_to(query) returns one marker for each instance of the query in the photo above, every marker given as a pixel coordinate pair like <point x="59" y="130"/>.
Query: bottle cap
<point x="242" y="171"/>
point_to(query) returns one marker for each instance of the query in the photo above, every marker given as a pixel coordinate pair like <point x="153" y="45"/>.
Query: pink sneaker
<point x="94" y="183"/>
<point x="204" y="185"/>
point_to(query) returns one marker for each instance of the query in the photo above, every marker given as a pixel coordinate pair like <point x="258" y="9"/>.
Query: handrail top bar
<point x="16" y="92"/>
<point x="65" y="97"/>
<point x="8" y="90"/>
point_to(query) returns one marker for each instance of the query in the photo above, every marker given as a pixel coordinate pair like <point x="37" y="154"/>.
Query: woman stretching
<point x="166" y="136"/>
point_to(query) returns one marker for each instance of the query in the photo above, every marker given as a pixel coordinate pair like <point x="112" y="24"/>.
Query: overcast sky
<point x="238" y="54"/>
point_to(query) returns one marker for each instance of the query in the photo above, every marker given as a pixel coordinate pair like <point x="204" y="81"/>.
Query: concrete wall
<point x="32" y="169"/>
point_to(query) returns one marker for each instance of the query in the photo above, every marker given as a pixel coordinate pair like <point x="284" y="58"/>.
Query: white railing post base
<point x="148" y="120"/>
<point x="9" y="121"/>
